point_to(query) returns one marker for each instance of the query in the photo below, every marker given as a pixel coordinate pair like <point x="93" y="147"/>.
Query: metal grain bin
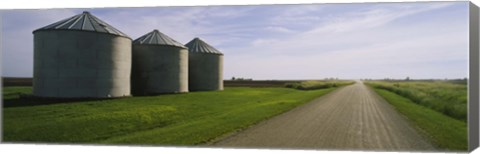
<point x="205" y="66"/>
<point x="159" y="65"/>
<point x="81" y="57"/>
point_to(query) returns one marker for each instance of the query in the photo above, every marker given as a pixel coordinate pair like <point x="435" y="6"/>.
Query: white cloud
<point x="372" y="18"/>
<point x="300" y="14"/>
<point x="279" y="29"/>
<point x="365" y="44"/>
<point x="262" y="42"/>
<point x="182" y="24"/>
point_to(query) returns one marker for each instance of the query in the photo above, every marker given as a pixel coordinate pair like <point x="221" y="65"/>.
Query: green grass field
<point x="442" y="96"/>
<point x="11" y="93"/>
<point x="175" y="119"/>
<point x="446" y="131"/>
<point x="317" y="84"/>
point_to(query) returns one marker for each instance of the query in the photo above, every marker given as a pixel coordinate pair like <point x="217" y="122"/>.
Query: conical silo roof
<point x="157" y="38"/>
<point x="84" y="22"/>
<point x="199" y="46"/>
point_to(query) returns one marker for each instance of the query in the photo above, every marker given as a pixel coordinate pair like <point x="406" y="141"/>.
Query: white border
<point x="42" y="148"/>
<point x="33" y="4"/>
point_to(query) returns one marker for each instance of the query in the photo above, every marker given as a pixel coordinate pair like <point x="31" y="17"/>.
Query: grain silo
<point x="205" y="66"/>
<point x="81" y="57"/>
<point x="159" y="65"/>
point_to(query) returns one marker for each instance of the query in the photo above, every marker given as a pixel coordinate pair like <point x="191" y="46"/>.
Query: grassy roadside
<point x="318" y="84"/>
<point x="444" y="131"/>
<point x="446" y="97"/>
<point x="181" y="119"/>
<point x="15" y="92"/>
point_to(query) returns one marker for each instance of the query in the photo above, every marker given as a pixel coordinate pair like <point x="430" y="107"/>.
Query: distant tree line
<point x="331" y="78"/>
<point x="409" y="79"/>
<point x="241" y="79"/>
<point x="457" y="80"/>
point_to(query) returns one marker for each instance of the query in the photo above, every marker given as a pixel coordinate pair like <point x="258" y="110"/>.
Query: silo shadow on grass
<point x="30" y="100"/>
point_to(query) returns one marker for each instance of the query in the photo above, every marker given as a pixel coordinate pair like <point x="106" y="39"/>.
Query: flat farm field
<point x="173" y="119"/>
<point x="438" y="108"/>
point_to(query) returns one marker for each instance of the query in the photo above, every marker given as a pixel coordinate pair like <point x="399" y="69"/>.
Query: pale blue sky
<point x="368" y="40"/>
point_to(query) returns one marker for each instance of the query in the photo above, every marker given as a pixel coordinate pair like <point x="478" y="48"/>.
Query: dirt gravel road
<point x="353" y="117"/>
